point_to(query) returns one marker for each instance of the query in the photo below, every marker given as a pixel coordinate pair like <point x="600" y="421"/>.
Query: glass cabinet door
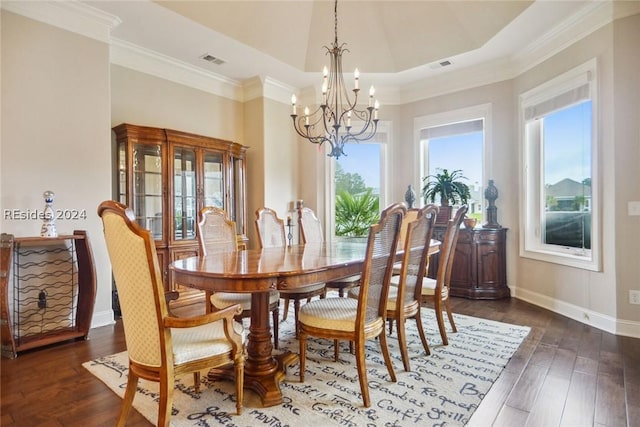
<point x="214" y="182"/>
<point x="237" y="191"/>
<point x="147" y="187"/>
<point x="184" y="193"/>
<point x="122" y="173"/>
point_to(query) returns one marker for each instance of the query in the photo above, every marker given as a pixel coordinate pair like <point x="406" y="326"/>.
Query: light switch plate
<point x="633" y="208"/>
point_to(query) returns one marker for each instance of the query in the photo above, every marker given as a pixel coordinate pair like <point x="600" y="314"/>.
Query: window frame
<point x="476" y="112"/>
<point x="532" y="208"/>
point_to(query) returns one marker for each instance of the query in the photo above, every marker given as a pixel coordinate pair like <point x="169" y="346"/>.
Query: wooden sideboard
<point x="479" y="264"/>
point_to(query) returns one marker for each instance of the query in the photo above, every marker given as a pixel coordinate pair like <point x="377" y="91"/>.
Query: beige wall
<point x="60" y="98"/>
<point x="55" y="133"/>
<point x="588" y="296"/>
<point x="142" y="99"/>
<point x="626" y="93"/>
<point x="501" y="152"/>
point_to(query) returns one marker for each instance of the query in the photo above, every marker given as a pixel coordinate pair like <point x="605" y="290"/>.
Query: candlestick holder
<point x="289" y="228"/>
<point x="290" y="233"/>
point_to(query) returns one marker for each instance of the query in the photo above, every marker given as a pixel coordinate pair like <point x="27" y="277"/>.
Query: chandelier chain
<point x="332" y="121"/>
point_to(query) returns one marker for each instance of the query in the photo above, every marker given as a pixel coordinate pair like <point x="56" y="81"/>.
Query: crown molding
<point x="591" y="18"/>
<point x="147" y="61"/>
<point x="71" y="16"/>
<point x="91" y="22"/>
<point x="268" y="88"/>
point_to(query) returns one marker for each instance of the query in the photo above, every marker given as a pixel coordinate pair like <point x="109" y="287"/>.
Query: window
<point x="357" y="189"/>
<point x="358" y="186"/>
<point x="443" y="137"/>
<point x="560" y="204"/>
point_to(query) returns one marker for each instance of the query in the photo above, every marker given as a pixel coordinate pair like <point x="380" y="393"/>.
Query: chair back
<point x="418" y="232"/>
<point x="411" y="215"/>
<point x="378" y="265"/>
<point x="216" y="232"/>
<point x="138" y="279"/>
<point x="447" y="252"/>
<point x="310" y="227"/>
<point x="270" y="229"/>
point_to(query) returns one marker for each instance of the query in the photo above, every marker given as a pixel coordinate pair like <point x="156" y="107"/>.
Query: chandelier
<point x="332" y="121"/>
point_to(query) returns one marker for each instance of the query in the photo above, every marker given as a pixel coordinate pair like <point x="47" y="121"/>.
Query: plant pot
<point x="444" y="214"/>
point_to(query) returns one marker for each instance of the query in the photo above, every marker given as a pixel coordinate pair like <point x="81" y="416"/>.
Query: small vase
<point x="49" y="225"/>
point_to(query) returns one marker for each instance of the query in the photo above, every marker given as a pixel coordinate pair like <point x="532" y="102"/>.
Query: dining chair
<point x="161" y="347"/>
<point x="271" y="234"/>
<point x="362" y="319"/>
<point x="411" y="215"/>
<point x="311" y="232"/>
<point x="436" y="291"/>
<point x="216" y="234"/>
<point x="404" y="300"/>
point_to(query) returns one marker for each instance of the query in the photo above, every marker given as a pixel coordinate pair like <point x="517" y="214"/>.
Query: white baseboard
<point x="102" y="318"/>
<point x="601" y="321"/>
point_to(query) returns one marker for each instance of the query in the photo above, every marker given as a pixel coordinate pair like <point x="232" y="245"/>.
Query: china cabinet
<point x="166" y="176"/>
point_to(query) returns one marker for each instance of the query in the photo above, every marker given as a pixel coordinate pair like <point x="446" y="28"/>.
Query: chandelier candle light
<point x="331" y="121"/>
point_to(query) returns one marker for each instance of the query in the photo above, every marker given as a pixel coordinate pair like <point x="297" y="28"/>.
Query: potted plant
<point x="449" y="187"/>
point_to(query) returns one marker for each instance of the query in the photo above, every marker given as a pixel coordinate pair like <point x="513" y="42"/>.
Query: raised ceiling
<point x="396" y="44"/>
<point x="382" y="36"/>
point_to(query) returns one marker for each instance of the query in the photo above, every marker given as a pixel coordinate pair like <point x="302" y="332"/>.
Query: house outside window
<point x="560" y="208"/>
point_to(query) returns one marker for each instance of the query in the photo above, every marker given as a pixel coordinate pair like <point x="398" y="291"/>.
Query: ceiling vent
<point x="440" y="64"/>
<point x="213" y="59"/>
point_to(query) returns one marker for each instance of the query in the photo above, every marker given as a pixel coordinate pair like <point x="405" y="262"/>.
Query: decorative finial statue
<point x="49" y="225"/>
<point x="491" y="194"/>
<point x="410" y="197"/>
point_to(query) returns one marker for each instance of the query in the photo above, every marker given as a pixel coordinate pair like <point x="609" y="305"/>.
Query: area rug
<point x="442" y="389"/>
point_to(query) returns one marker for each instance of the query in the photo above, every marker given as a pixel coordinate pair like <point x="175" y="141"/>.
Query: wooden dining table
<point x="258" y="271"/>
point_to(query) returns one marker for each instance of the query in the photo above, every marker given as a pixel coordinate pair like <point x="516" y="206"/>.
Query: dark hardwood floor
<point x="564" y="374"/>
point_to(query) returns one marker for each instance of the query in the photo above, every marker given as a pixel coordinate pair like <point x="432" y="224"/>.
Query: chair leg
<point x="443" y="331"/>
<point x="296" y="309"/>
<point x="402" y="343"/>
<point x="362" y="374"/>
<point x="239" y="368"/>
<point x="286" y="309"/>
<point x="164" y="406"/>
<point x="302" y="339"/>
<point x="336" y="350"/>
<point x="387" y="357"/>
<point x="423" y="337"/>
<point x="447" y="304"/>
<point x="276" y="326"/>
<point x="196" y="381"/>
<point x="127" y="400"/>
<point x="390" y="326"/>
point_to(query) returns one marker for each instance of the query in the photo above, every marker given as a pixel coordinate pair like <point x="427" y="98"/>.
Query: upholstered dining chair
<point x="311" y="232"/>
<point x="436" y="291"/>
<point x="161" y="347"/>
<point x="362" y="319"/>
<point x="217" y="234"/>
<point x="271" y="234"/>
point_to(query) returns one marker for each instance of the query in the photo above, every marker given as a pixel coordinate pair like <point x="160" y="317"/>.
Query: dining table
<point x="258" y="271"/>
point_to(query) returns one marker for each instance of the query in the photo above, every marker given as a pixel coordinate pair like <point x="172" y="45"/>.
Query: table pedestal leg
<point x="263" y="371"/>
